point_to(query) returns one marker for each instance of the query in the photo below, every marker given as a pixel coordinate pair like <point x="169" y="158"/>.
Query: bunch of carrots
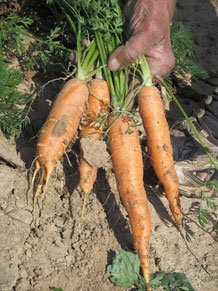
<point x="112" y="94"/>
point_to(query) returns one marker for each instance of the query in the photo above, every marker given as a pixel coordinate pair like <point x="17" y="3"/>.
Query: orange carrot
<point x="128" y="166"/>
<point x="159" y="144"/>
<point x="98" y="102"/>
<point x="59" y="130"/>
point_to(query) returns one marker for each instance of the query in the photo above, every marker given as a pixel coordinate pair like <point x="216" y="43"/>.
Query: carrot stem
<point x="88" y="62"/>
<point x="103" y="57"/>
<point x="78" y="47"/>
<point x="146" y="74"/>
<point x="71" y="23"/>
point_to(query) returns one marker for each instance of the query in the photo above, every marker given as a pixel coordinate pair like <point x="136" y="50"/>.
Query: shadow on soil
<point x="115" y="219"/>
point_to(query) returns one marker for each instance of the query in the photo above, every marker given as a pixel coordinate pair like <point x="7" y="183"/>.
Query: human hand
<point x="150" y="28"/>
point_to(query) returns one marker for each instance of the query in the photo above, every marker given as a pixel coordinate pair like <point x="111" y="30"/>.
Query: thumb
<point x="127" y="53"/>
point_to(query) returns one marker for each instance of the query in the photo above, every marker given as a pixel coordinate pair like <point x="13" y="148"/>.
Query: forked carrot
<point x="159" y="144"/>
<point x="128" y="166"/>
<point x="58" y="131"/>
<point x="64" y="117"/>
<point x="98" y="101"/>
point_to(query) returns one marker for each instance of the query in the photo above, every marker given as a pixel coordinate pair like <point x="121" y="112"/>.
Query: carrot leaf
<point x="14" y="104"/>
<point x="184" y="50"/>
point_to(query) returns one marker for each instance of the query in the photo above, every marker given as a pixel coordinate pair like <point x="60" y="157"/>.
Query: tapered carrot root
<point x="88" y="175"/>
<point x="58" y="131"/>
<point x="159" y="144"/>
<point x="96" y="107"/>
<point x="128" y="166"/>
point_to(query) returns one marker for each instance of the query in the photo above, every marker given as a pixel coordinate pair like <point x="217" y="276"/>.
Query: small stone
<point x="69" y="259"/>
<point x="22" y="215"/>
<point x="8" y="153"/>
<point x="59" y="221"/>
<point x="8" y="274"/>
<point x="216" y="90"/>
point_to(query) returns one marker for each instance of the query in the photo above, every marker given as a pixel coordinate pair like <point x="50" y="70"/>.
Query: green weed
<point x="38" y="54"/>
<point x="125" y="272"/>
<point x="13" y="104"/>
<point x="204" y="214"/>
<point x="55" y="289"/>
<point x="13" y="33"/>
<point x="184" y="50"/>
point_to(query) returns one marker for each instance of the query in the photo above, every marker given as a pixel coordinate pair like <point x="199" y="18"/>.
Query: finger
<point x="128" y="53"/>
<point x="149" y="35"/>
<point x="136" y="12"/>
<point x="171" y="8"/>
<point x="161" y="59"/>
<point x="161" y="63"/>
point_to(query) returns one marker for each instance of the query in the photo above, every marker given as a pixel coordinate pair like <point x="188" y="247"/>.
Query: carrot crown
<point x="103" y="24"/>
<point x="144" y="71"/>
<point x="86" y="54"/>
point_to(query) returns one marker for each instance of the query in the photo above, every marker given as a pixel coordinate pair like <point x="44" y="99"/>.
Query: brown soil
<point x="50" y="254"/>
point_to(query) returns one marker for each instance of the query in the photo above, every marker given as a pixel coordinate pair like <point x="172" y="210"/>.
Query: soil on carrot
<point x="50" y="254"/>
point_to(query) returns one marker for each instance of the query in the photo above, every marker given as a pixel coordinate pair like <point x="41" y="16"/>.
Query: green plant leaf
<point x="156" y="280"/>
<point x="177" y="282"/>
<point x="213" y="184"/>
<point x="55" y="289"/>
<point x="184" y="50"/>
<point x="13" y="104"/>
<point x="124" y="270"/>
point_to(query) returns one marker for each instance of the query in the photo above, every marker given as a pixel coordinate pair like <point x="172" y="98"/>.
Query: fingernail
<point x="114" y="64"/>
